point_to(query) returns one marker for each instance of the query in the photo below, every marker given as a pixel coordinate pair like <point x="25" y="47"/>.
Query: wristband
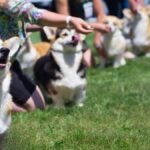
<point x="68" y="20"/>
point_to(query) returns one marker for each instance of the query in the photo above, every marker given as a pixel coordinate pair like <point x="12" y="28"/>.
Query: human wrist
<point x="68" y="21"/>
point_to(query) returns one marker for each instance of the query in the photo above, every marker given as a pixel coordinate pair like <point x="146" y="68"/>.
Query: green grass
<point x="115" y="115"/>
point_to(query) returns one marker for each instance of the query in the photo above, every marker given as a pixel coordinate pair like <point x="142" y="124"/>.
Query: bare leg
<point x="17" y="108"/>
<point x="102" y="55"/>
<point x="35" y="101"/>
<point x="88" y="58"/>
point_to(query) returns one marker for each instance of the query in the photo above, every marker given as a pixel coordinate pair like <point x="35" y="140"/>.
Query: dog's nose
<point x="75" y="39"/>
<point x="4" y="51"/>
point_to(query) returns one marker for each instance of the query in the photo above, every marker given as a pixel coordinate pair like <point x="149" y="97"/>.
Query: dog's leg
<point x="119" y="61"/>
<point x="58" y="102"/>
<point x="80" y="97"/>
<point x="147" y="54"/>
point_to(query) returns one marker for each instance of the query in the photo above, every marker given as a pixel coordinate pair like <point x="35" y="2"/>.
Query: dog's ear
<point x="13" y="44"/>
<point x="50" y="32"/>
<point x="128" y="13"/>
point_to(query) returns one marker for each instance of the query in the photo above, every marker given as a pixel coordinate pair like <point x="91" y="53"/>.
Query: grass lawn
<point x="116" y="115"/>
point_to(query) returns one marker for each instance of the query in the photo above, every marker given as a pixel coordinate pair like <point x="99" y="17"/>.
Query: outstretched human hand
<point x="80" y="25"/>
<point x="101" y="27"/>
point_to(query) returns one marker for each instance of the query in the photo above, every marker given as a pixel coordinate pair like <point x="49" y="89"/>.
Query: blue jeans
<point x="115" y="7"/>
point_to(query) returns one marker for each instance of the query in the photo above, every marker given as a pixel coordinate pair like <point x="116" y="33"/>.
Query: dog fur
<point x="7" y="49"/>
<point x="61" y="72"/>
<point x="30" y="52"/>
<point x="114" y="43"/>
<point x="139" y="30"/>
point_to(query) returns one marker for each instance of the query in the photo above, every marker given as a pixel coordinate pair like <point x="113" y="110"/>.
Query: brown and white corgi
<point x="114" y="43"/>
<point x="30" y="52"/>
<point x="138" y="26"/>
<point x="7" y="49"/>
<point x="61" y="72"/>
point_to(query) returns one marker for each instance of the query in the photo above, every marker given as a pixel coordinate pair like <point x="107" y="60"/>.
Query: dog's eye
<point x="64" y="34"/>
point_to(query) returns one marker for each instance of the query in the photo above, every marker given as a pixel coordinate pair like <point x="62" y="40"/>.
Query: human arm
<point x="62" y="7"/>
<point x="100" y="27"/>
<point x="98" y="8"/>
<point x="24" y="9"/>
<point x="59" y="20"/>
<point x="135" y="5"/>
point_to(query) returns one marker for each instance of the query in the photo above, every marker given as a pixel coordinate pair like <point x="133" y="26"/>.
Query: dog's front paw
<point x="121" y="62"/>
<point x="80" y="104"/>
<point x="147" y="55"/>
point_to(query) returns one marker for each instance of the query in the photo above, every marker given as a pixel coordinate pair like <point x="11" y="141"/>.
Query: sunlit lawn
<point x="116" y="115"/>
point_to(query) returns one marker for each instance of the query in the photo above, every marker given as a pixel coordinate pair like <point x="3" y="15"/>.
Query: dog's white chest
<point x="114" y="43"/>
<point x="69" y="66"/>
<point x="141" y="28"/>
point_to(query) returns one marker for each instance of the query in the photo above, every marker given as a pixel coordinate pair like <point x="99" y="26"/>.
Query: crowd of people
<point x="92" y="10"/>
<point x="55" y="13"/>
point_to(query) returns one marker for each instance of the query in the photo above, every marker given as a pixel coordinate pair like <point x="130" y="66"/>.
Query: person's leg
<point x="17" y="108"/>
<point x="87" y="55"/>
<point x="26" y="95"/>
<point x="102" y="55"/>
<point x="88" y="58"/>
<point x="36" y="100"/>
<point x="99" y="48"/>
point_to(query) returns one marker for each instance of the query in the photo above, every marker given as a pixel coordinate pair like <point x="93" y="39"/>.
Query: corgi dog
<point x="27" y="56"/>
<point x="61" y="73"/>
<point x="30" y="52"/>
<point x="7" y="50"/>
<point x="113" y="43"/>
<point x="139" y="29"/>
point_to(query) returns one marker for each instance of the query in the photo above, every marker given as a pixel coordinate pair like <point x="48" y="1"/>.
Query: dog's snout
<point x="75" y="39"/>
<point x="4" y="51"/>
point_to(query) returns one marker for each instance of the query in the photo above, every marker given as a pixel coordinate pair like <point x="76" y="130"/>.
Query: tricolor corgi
<point x="61" y="72"/>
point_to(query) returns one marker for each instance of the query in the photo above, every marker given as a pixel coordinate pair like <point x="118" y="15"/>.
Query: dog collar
<point x="57" y="51"/>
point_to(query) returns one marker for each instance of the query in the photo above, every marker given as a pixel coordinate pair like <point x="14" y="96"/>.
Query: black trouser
<point x="115" y="7"/>
<point x="21" y="87"/>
